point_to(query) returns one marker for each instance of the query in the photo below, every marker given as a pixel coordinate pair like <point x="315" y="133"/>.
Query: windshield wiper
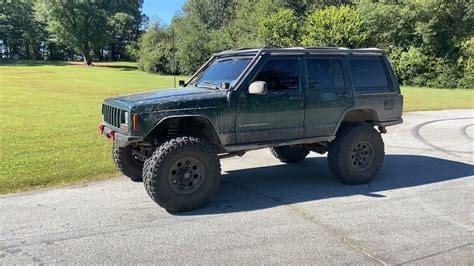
<point x="208" y="84"/>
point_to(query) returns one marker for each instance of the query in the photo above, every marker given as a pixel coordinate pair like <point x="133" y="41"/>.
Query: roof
<point x="299" y="50"/>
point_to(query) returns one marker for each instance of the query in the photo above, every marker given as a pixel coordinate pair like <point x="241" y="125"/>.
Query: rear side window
<point x="369" y="74"/>
<point x="279" y="74"/>
<point x="326" y="75"/>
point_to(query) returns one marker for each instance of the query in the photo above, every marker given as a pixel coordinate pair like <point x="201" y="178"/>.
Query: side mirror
<point x="181" y="82"/>
<point x="258" y="87"/>
<point x="225" y="85"/>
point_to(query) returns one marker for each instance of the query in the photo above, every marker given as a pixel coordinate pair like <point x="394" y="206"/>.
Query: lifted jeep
<point x="291" y="100"/>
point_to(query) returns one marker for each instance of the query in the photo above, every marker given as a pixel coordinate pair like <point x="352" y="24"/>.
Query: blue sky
<point x="162" y="10"/>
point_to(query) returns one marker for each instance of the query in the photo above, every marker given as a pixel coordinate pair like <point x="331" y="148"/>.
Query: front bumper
<point x="121" y="139"/>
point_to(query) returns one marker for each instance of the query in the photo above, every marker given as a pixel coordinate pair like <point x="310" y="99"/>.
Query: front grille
<point x="113" y="116"/>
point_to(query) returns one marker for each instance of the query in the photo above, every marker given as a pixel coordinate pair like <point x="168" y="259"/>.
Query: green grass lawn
<point x="49" y="116"/>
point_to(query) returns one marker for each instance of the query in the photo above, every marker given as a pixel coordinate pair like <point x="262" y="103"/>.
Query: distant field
<point x="49" y="115"/>
<point x="425" y="99"/>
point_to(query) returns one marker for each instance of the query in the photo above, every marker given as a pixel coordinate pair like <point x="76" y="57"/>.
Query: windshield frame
<point x="216" y="59"/>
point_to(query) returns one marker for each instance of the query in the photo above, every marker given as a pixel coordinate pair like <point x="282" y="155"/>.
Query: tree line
<point x="430" y="42"/>
<point x="62" y="30"/>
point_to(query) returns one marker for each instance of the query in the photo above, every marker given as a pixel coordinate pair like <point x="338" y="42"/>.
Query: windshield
<point x="222" y="71"/>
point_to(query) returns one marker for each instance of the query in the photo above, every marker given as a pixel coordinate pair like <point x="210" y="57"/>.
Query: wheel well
<point x="360" y="116"/>
<point x="189" y="125"/>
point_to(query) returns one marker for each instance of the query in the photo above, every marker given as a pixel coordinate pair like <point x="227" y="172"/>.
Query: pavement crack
<point x="436" y="254"/>
<point x="310" y="218"/>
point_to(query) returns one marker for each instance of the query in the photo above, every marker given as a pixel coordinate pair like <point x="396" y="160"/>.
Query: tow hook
<point x="382" y="129"/>
<point x="111" y="135"/>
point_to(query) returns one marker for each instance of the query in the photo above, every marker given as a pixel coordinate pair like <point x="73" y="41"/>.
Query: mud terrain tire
<point x="290" y="154"/>
<point x="183" y="174"/>
<point x="126" y="163"/>
<point x="357" y="154"/>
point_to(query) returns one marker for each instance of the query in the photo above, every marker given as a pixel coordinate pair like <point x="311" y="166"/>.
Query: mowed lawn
<point x="49" y="116"/>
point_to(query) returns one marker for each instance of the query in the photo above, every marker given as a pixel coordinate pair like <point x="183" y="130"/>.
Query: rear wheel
<point x="128" y="161"/>
<point x="290" y="154"/>
<point x="183" y="174"/>
<point x="357" y="154"/>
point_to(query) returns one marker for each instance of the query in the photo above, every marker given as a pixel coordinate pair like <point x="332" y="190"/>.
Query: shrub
<point x="280" y="29"/>
<point x="334" y="26"/>
<point x="416" y="68"/>
<point x="155" y="50"/>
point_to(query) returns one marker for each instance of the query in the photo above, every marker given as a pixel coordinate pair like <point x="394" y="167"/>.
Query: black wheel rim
<point x="362" y="155"/>
<point x="186" y="175"/>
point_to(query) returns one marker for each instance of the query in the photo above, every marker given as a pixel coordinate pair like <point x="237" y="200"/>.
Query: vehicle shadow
<point x="310" y="180"/>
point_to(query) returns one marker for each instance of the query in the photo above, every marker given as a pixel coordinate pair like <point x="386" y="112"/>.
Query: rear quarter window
<point x="369" y="74"/>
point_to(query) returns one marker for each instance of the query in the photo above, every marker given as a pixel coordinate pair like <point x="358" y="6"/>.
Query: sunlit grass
<point x="49" y="115"/>
<point x="424" y="99"/>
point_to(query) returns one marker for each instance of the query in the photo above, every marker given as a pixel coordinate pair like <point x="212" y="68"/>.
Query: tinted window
<point x="369" y="74"/>
<point x="319" y="73"/>
<point x="227" y="70"/>
<point x="338" y="75"/>
<point x="279" y="74"/>
<point x="326" y="74"/>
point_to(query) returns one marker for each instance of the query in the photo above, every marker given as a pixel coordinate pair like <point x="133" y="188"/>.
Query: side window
<point x="369" y="74"/>
<point x="326" y="75"/>
<point x="320" y="74"/>
<point x="279" y="74"/>
<point x="339" y="80"/>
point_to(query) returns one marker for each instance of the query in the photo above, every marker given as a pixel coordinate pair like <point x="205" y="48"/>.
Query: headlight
<point x="126" y="117"/>
<point x="124" y="124"/>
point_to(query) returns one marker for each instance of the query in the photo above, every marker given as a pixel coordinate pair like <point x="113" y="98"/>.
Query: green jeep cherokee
<point x="292" y="100"/>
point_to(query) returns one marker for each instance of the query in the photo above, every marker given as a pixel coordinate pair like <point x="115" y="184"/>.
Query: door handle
<point x="294" y="98"/>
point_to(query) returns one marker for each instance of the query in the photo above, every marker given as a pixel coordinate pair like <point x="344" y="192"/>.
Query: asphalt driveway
<point x="419" y="210"/>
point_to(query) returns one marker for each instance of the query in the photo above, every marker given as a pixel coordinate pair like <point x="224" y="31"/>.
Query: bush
<point x="334" y="26"/>
<point x="445" y="74"/>
<point x="416" y="68"/>
<point x="155" y="50"/>
<point x="466" y="63"/>
<point x="280" y="29"/>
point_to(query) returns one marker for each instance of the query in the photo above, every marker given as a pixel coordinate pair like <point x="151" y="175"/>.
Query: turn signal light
<point x="135" y="122"/>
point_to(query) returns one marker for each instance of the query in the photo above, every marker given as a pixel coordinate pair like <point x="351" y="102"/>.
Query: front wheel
<point x="127" y="161"/>
<point x="183" y="174"/>
<point x="357" y="154"/>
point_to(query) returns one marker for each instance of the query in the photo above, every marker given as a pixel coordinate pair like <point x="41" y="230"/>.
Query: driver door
<point x="278" y="114"/>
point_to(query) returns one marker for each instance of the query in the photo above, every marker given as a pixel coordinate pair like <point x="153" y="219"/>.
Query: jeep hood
<point x="166" y="97"/>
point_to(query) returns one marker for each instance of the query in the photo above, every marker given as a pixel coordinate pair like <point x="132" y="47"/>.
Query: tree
<point x="80" y="25"/>
<point x="122" y="33"/>
<point x="244" y="28"/>
<point x="280" y="29"/>
<point x="200" y="31"/>
<point x="19" y="32"/>
<point x="443" y="25"/>
<point x="334" y="26"/>
<point x="87" y="26"/>
<point x="124" y="21"/>
<point x="383" y="31"/>
<point x="156" y="50"/>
